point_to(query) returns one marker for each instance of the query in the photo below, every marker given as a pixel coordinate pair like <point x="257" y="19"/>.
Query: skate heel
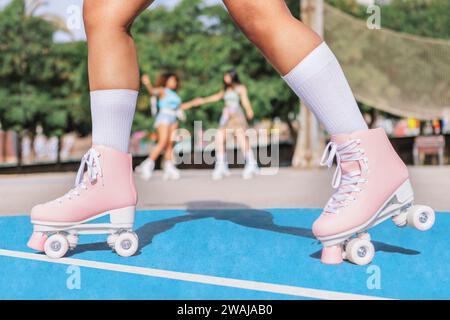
<point x="404" y="197"/>
<point x="405" y="192"/>
<point x="37" y="241"/>
<point x="123" y="216"/>
<point x="332" y="255"/>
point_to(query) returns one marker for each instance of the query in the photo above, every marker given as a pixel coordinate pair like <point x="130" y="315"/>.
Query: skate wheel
<point x="126" y="244"/>
<point x="421" y="217"/>
<point x="401" y="219"/>
<point x="56" y="246"/>
<point x="360" y="251"/>
<point x="73" y="241"/>
<point x="217" y="176"/>
<point x="111" y="240"/>
<point x="173" y="176"/>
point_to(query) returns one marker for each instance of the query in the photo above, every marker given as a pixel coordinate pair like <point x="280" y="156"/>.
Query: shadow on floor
<point x="234" y="212"/>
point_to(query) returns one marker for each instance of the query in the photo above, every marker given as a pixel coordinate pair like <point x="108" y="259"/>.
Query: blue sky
<point x="62" y="8"/>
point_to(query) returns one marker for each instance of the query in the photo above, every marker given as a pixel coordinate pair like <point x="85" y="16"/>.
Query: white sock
<point x="321" y="84"/>
<point x="221" y="158"/>
<point x="112" y="116"/>
<point x="250" y="157"/>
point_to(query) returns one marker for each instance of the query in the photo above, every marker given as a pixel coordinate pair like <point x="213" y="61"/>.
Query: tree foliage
<point x="38" y="78"/>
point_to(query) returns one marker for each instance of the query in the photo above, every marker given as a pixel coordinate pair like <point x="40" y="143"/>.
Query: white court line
<point x="197" y="278"/>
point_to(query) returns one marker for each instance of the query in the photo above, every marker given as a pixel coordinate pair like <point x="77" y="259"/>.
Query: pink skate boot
<point x="372" y="185"/>
<point x="107" y="188"/>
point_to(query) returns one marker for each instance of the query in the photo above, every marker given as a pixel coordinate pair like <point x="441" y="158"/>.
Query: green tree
<point x="37" y="76"/>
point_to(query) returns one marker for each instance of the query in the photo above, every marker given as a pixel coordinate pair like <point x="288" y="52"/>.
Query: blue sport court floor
<point x="227" y="254"/>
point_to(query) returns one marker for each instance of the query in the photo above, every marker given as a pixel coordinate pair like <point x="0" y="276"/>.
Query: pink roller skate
<point x="107" y="188"/>
<point x="372" y="185"/>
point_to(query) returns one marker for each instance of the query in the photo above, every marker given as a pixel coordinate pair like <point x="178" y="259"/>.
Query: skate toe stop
<point x="331" y="255"/>
<point x="37" y="241"/>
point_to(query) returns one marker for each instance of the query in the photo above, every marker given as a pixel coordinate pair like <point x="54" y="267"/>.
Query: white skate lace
<point x="92" y="162"/>
<point x="346" y="184"/>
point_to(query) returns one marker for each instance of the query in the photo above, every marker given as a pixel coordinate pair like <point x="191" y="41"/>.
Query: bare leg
<point x="307" y="64"/>
<point x="251" y="166"/>
<point x="269" y="24"/>
<point x="109" y="187"/>
<point x="112" y="55"/>
<point x="220" y="143"/>
<point x="163" y="138"/>
<point x="242" y="141"/>
<point x="221" y="165"/>
<point x="168" y="156"/>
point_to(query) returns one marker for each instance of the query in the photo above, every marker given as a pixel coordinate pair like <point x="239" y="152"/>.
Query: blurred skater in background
<point x="234" y="94"/>
<point x="170" y="110"/>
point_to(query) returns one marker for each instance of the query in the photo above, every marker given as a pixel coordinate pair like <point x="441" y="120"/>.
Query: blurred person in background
<point x="235" y="96"/>
<point x="170" y="108"/>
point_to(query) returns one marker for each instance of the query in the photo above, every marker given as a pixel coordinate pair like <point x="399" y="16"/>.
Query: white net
<point x="405" y="75"/>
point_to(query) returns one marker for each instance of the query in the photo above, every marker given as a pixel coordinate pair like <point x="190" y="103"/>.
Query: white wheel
<point x="421" y="217"/>
<point x="126" y="244"/>
<point x="145" y="176"/>
<point x="56" y="246"/>
<point x="73" y="241"/>
<point x="217" y="175"/>
<point x="249" y="172"/>
<point x="401" y="219"/>
<point x="247" y="176"/>
<point x="174" y="175"/>
<point x="360" y="251"/>
<point x="111" y="240"/>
